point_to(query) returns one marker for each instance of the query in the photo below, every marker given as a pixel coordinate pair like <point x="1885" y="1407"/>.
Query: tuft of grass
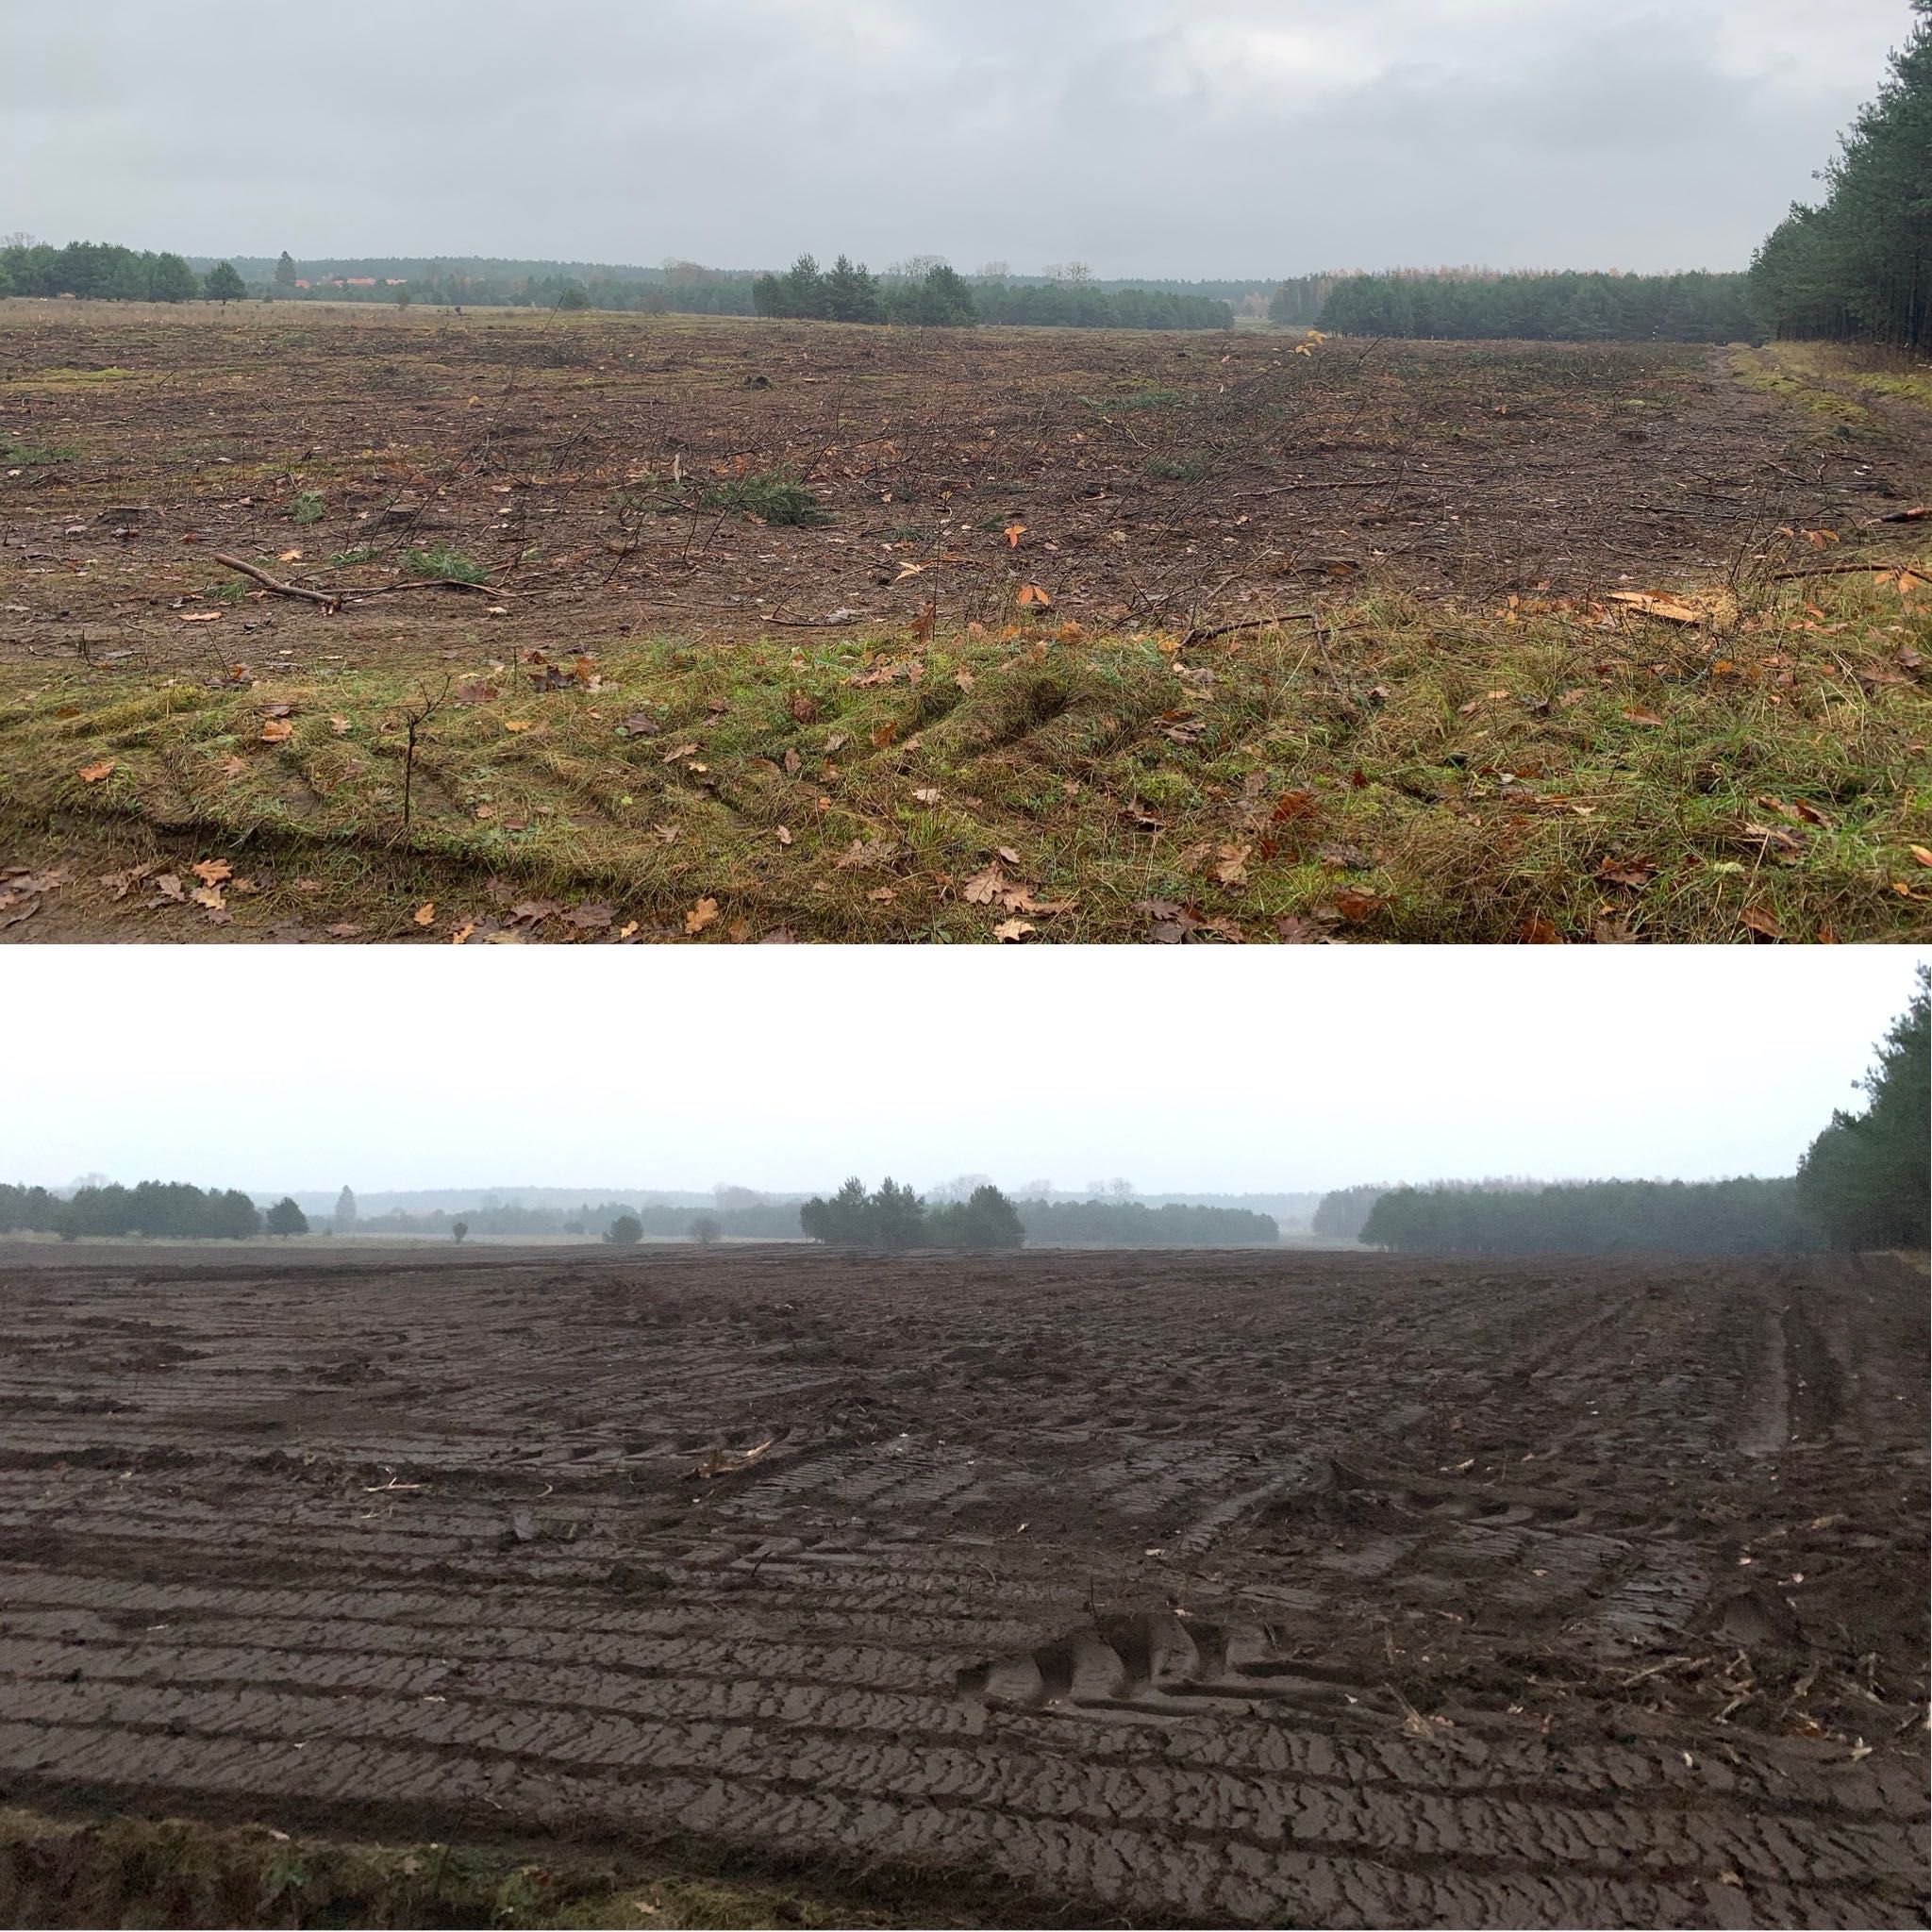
<point x="1911" y="386"/>
<point x="444" y="560"/>
<point x="1804" y="374"/>
<point x="307" y="506"/>
<point x="1412" y="773"/>
<point x="360" y="553"/>
<point x="17" y="450"/>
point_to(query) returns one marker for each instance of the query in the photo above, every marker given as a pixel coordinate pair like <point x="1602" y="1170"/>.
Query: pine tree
<point x="286" y="1217"/>
<point x="172" y="280"/>
<point x="1860" y="266"/>
<point x="345" y="1212"/>
<point x="224" y="285"/>
<point x="1865" y="1176"/>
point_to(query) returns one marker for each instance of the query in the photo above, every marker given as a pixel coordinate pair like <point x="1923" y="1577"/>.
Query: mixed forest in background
<point x="1862" y="1184"/>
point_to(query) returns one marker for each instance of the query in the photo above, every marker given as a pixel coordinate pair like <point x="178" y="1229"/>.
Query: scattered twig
<point x="1222" y="631"/>
<point x="1291" y="489"/>
<point x="414" y="723"/>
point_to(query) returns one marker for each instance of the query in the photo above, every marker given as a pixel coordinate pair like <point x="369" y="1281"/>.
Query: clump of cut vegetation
<point x="444" y="561"/>
<point x="772" y="496"/>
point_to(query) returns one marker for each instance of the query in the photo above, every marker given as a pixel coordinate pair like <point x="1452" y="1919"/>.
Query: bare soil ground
<point x="1439" y="529"/>
<point x="1211" y="1588"/>
<point x="534" y="445"/>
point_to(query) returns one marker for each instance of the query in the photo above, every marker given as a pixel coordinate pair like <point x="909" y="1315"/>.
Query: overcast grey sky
<point x="1146" y="137"/>
<point x="1191" y="1069"/>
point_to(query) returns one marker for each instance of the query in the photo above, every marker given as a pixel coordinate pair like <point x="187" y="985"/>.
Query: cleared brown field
<point x="1377" y="581"/>
<point x="1218" y="1588"/>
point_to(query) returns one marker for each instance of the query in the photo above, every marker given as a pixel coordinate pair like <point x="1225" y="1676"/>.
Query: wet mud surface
<point x="1219" y="1587"/>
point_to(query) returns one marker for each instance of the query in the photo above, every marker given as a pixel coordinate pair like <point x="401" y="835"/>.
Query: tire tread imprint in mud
<point x="1224" y="1586"/>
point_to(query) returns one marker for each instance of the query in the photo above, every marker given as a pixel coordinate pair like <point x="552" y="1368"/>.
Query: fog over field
<point x="1146" y="139"/>
<point x="1209" y="1071"/>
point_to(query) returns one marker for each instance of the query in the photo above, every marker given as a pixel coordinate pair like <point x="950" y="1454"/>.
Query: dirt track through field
<point x="1325" y="1590"/>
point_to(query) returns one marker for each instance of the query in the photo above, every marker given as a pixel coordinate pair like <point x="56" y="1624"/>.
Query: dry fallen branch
<point x="1222" y="631"/>
<point x="331" y="598"/>
<point x="327" y="598"/>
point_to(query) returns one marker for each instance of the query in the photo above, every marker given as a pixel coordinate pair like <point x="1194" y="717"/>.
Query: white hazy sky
<point x="1147" y="137"/>
<point x="1185" y="1069"/>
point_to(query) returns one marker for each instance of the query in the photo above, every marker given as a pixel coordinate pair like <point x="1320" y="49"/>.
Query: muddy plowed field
<point x="1214" y="1588"/>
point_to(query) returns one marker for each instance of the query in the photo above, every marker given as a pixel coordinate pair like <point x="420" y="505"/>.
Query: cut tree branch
<point x="332" y="598"/>
<point x="327" y="598"/>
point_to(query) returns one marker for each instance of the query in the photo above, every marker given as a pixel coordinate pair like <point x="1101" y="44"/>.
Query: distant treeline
<point x="1083" y="305"/>
<point x="1733" y="1217"/>
<point x="1568" y="307"/>
<point x="1863" y="1183"/>
<point x="1343" y="1212"/>
<point x="778" y="1221"/>
<point x="1133" y="1224"/>
<point x="1859" y="267"/>
<point x="892" y="1218"/>
<point x="941" y="297"/>
<point x="933" y="296"/>
<point x="159" y="1209"/>
<point x="104" y="271"/>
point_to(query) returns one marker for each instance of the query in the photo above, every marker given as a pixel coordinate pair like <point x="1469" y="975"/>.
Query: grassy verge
<point x="175" y="1872"/>
<point x="1832" y="381"/>
<point x="1406" y="773"/>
